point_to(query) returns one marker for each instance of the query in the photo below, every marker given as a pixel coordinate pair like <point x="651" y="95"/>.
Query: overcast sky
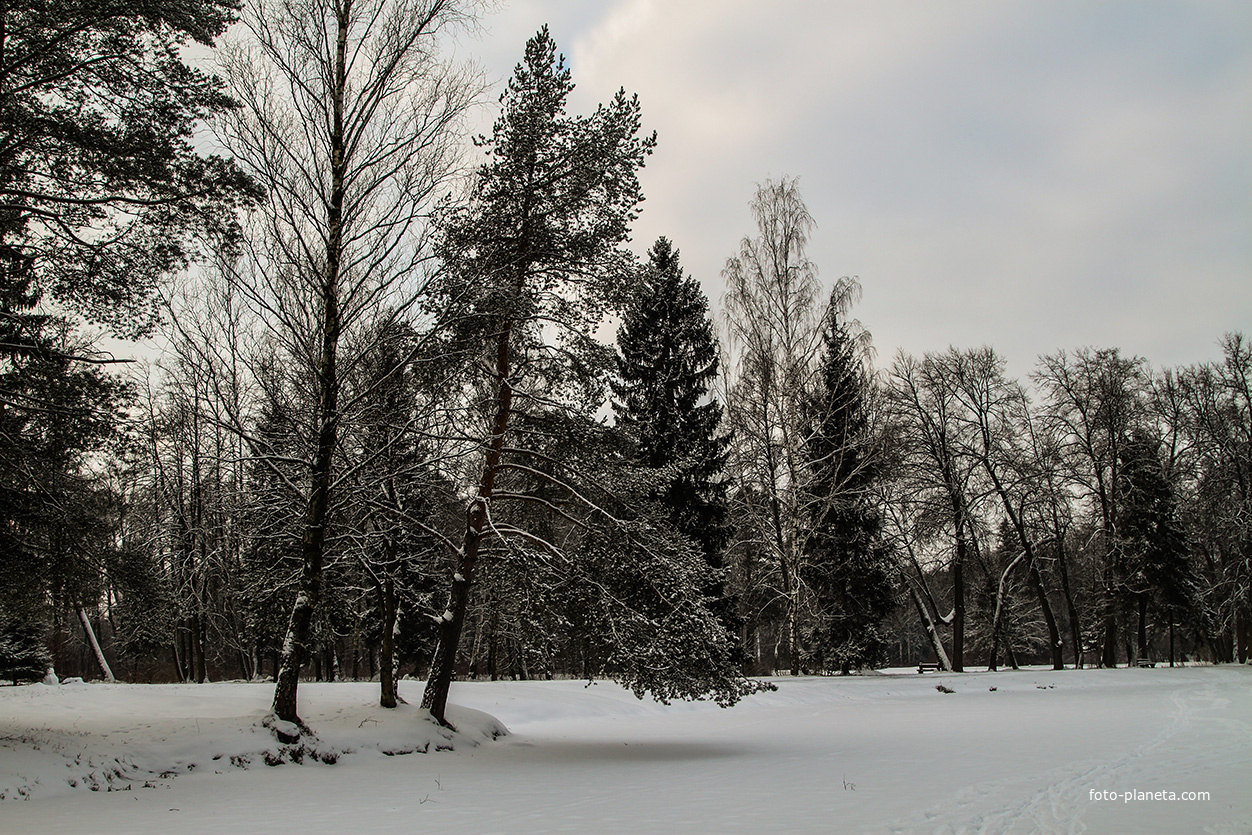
<point x="1029" y="175"/>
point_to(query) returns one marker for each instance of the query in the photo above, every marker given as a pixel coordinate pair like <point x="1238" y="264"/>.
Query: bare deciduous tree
<point x="347" y="117"/>
<point x="1095" y="399"/>
<point x="936" y="469"/>
<point x="773" y="321"/>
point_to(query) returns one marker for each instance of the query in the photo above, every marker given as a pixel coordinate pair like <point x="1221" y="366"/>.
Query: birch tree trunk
<point x="936" y="643"/>
<point x="90" y="634"/>
<point x="312" y="546"/>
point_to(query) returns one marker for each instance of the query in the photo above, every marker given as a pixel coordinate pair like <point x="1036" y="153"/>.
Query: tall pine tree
<point x="847" y="570"/>
<point x="667" y="361"/>
<point x="537" y="250"/>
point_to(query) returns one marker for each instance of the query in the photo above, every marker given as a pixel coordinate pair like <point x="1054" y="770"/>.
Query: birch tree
<point x="347" y="118"/>
<point x="773" y="321"/>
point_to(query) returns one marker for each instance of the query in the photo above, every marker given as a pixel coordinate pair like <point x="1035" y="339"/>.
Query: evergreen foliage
<point x="667" y="362"/>
<point x="536" y="256"/>
<point x="1154" y="550"/>
<point x="848" y="568"/>
<point x="102" y="192"/>
<point x="55" y="518"/>
<point x="23" y="656"/>
<point x="540" y="238"/>
<point x="538" y="252"/>
<point x="270" y="563"/>
<point x="397" y="500"/>
<point x="384" y="429"/>
<point x="102" y="196"/>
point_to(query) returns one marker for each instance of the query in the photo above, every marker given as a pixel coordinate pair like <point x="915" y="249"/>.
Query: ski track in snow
<point x="1059" y="807"/>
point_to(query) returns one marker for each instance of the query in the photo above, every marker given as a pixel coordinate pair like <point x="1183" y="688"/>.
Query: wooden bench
<point x="923" y="667"/>
<point x="1143" y="662"/>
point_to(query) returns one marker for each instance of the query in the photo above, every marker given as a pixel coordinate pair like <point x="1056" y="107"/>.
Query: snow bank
<point x="116" y="737"/>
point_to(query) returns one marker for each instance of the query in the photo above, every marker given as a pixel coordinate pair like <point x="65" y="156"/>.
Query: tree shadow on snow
<point x="606" y="751"/>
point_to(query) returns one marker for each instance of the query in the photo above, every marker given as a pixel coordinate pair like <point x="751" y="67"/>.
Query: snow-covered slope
<point x="886" y="753"/>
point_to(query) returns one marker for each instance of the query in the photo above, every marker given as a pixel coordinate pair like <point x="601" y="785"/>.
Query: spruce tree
<point x="23" y="656"/>
<point x="54" y="516"/>
<point x="1153" y="544"/>
<point x="667" y="361"/>
<point x="846" y="569"/>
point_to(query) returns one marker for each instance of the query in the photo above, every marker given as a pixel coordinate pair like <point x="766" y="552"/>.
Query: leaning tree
<point x="538" y="251"/>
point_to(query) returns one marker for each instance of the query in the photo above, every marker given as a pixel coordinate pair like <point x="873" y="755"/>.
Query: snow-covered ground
<point x="1020" y="751"/>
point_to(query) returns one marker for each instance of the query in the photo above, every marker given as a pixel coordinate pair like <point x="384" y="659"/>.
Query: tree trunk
<point x="442" y="668"/>
<point x="1242" y="637"/>
<point x="1023" y="538"/>
<point x="1045" y="606"/>
<point x="180" y="662"/>
<point x="356" y="654"/>
<point x="493" y="671"/>
<point x="1075" y="628"/>
<point x="386" y="654"/>
<point x="993" y="657"/>
<point x="958" y="605"/>
<point x="197" y="649"/>
<point x="1141" y="651"/>
<point x="95" y="645"/>
<point x="1109" y="655"/>
<point x="790" y="582"/>
<point x="476" y="648"/>
<point x="999" y="611"/>
<point x="932" y="632"/>
<point x="793" y="626"/>
<point x="295" y="644"/>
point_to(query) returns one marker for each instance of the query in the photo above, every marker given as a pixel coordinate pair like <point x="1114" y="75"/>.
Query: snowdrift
<point x="116" y="737"/>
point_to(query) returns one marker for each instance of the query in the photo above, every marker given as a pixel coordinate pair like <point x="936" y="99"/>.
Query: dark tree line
<point x="981" y="520"/>
<point x="387" y="438"/>
<point x="102" y="195"/>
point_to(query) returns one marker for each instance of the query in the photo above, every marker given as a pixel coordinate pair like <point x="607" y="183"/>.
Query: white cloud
<point x="1033" y="175"/>
<point x="621" y="25"/>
